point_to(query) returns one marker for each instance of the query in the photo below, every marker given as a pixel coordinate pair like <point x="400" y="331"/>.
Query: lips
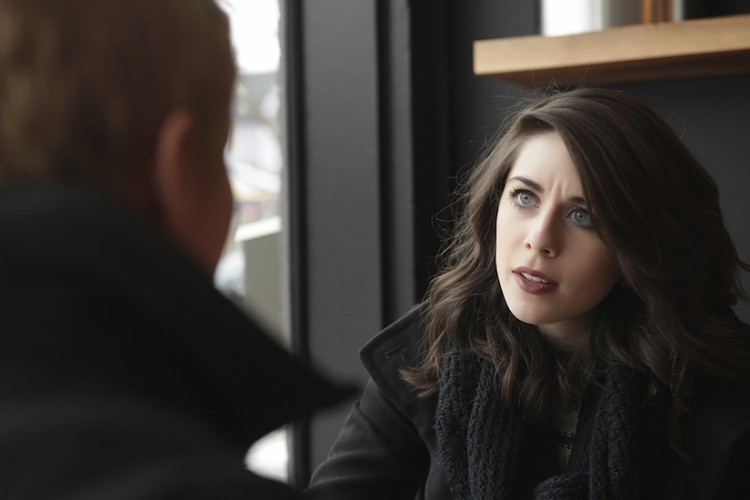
<point x="534" y="282"/>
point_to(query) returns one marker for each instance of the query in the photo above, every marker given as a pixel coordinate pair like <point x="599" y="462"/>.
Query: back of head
<point x="86" y="84"/>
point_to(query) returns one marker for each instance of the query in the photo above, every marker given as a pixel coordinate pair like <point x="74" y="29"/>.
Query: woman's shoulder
<point x="399" y="346"/>
<point x="717" y="438"/>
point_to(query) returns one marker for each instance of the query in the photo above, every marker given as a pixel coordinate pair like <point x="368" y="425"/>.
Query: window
<point x="251" y="268"/>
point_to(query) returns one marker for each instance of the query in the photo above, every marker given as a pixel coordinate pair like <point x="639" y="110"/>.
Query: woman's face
<point x="553" y="267"/>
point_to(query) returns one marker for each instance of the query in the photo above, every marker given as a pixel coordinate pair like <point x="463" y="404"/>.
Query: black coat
<point x="124" y="374"/>
<point x="388" y="446"/>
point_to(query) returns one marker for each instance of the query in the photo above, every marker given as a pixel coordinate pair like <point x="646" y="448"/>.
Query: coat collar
<point x="712" y="436"/>
<point x="97" y="295"/>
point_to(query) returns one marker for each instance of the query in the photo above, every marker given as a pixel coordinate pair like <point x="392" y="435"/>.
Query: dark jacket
<point x="388" y="446"/>
<point x="124" y="374"/>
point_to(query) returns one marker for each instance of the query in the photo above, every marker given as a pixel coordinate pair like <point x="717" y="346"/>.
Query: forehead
<point x="544" y="159"/>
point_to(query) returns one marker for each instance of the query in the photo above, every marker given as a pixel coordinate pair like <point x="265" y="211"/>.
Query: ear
<point x="191" y="198"/>
<point x="175" y="178"/>
<point x="172" y="167"/>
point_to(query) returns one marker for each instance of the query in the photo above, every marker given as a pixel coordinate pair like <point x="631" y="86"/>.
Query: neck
<point x="568" y="336"/>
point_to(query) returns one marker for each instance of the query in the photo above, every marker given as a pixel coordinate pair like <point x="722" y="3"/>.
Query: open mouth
<point x="534" y="282"/>
<point x="535" y="279"/>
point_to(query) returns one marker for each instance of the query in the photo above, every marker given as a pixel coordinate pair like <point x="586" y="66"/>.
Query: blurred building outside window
<point x="250" y="270"/>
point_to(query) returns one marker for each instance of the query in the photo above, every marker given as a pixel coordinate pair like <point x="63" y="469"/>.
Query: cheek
<point x="223" y="202"/>
<point x="507" y="233"/>
<point x="500" y="241"/>
<point x="602" y="270"/>
<point x="225" y="199"/>
<point x="214" y="217"/>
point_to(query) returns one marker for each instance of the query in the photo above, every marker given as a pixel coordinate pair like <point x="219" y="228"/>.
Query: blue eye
<point x="581" y="217"/>
<point x="523" y="198"/>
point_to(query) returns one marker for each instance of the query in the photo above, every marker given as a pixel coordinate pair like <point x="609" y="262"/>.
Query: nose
<point x="543" y="236"/>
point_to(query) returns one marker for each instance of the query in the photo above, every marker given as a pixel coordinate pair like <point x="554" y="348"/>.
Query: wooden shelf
<point x="713" y="46"/>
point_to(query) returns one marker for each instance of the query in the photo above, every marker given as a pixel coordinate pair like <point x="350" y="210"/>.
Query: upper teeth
<point x="533" y="278"/>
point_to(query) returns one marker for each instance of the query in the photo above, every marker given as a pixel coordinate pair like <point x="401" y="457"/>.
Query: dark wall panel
<point x="342" y="186"/>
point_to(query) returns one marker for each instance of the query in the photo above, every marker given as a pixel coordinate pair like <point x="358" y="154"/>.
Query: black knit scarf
<point x="491" y="453"/>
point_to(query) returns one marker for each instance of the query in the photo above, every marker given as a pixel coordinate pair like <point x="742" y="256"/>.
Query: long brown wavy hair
<point x="653" y="202"/>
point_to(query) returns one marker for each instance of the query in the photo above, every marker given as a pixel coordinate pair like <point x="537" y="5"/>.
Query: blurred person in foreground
<point x="123" y="372"/>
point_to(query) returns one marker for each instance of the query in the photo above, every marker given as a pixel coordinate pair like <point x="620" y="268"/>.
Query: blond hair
<point x="86" y="84"/>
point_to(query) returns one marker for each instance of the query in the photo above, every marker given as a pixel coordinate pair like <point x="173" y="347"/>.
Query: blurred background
<point x="250" y="271"/>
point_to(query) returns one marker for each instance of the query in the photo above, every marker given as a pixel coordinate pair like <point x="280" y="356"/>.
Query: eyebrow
<point x="528" y="182"/>
<point x="536" y="186"/>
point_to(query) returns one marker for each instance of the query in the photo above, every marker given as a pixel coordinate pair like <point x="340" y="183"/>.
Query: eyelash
<point x="516" y="192"/>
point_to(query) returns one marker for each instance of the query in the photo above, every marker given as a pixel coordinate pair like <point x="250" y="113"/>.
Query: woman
<point x="578" y="341"/>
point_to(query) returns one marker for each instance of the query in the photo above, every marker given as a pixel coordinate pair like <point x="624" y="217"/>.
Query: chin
<point x="531" y="315"/>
